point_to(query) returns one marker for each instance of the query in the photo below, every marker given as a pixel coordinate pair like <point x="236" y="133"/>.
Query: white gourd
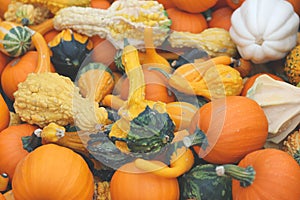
<point x="280" y="102"/>
<point x="264" y="30"/>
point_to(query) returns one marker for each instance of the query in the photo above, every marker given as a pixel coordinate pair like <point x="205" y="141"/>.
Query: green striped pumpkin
<point x="15" y="40"/>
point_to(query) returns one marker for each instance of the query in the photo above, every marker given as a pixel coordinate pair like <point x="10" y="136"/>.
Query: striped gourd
<point x="15" y="39"/>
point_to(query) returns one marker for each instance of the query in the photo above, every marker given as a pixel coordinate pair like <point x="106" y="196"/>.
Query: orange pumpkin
<point x="3" y="8"/>
<point x="186" y="22"/>
<point x="166" y="3"/>
<point x="4" y="114"/>
<point x="234" y="126"/>
<point x="219" y="4"/>
<point x="156" y="87"/>
<point x="129" y="182"/>
<point x="16" y="71"/>
<point x="194" y="6"/>
<point x="104" y="52"/>
<point x="4" y="59"/>
<point x="2" y="197"/>
<point x="249" y="82"/>
<point x="277" y="176"/>
<point x="53" y="172"/>
<point x="101" y="4"/>
<point x="12" y="151"/>
<point x="49" y="35"/>
<point x="221" y="18"/>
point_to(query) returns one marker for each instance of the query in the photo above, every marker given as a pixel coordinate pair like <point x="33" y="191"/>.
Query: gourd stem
<point x="197" y="138"/>
<point x="32" y="142"/>
<point x="245" y="176"/>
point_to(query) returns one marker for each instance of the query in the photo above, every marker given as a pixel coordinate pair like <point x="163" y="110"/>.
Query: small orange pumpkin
<point x="129" y="182"/>
<point x="4" y="114"/>
<point x="53" y="172"/>
<point x="186" y="22"/>
<point x="101" y="4"/>
<point x="12" y="151"/>
<point x="221" y="18"/>
<point x="16" y="71"/>
<point x="234" y="126"/>
<point x="194" y="6"/>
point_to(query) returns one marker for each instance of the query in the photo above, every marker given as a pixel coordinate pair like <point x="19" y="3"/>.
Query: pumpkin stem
<point x="245" y="176"/>
<point x="32" y="142"/>
<point x="197" y="138"/>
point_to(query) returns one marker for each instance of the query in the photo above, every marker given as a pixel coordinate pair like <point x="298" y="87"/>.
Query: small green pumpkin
<point x="68" y="51"/>
<point x="292" y="65"/>
<point x="15" y="39"/>
<point x="202" y="182"/>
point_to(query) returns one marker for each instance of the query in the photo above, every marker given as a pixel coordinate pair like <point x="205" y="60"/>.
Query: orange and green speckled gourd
<point x="292" y="65"/>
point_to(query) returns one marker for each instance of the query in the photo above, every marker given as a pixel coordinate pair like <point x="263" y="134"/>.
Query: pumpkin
<point x="12" y="151"/>
<point x="4" y="114"/>
<point x="15" y="39"/>
<point x="51" y="168"/>
<point x="186" y="22"/>
<point x="68" y="51"/>
<point x="95" y="80"/>
<point x="221" y="18"/>
<point x="202" y="182"/>
<point x="2" y="197"/>
<point x="194" y="6"/>
<point x="292" y="65"/>
<point x="17" y="70"/>
<point x="156" y="87"/>
<point x="4" y="59"/>
<point x="219" y="4"/>
<point x="141" y="185"/>
<point x="250" y="81"/>
<point x="4" y="7"/>
<point x="234" y="126"/>
<point x="264" y="34"/>
<point x="253" y="178"/>
<point x="101" y="4"/>
<point x="166" y="3"/>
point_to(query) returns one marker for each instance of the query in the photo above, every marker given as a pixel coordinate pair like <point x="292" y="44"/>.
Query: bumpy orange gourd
<point x="234" y="126"/>
<point x="194" y="6"/>
<point x="12" y="151"/>
<point x="53" y="172"/>
<point x="129" y="182"/>
<point x="186" y="22"/>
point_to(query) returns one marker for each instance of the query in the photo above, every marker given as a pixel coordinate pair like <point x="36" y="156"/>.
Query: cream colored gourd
<point x="280" y="102"/>
<point x="264" y="30"/>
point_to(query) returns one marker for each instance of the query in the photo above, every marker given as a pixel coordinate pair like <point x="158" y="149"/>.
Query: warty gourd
<point x="49" y="97"/>
<point x="123" y="19"/>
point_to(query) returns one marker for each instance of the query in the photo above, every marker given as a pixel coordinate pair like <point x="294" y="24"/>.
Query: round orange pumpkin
<point x="277" y="176"/>
<point x="194" y="6"/>
<point x="129" y="182"/>
<point x="156" y="87"/>
<point x="4" y="59"/>
<point x="166" y="3"/>
<point x="53" y="172"/>
<point x="4" y="114"/>
<point x="16" y="71"/>
<point x="234" y="126"/>
<point x="186" y="22"/>
<point x="12" y="151"/>
<point x="221" y="18"/>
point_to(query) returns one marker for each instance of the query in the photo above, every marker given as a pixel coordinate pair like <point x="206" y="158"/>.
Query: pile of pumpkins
<point x="234" y="121"/>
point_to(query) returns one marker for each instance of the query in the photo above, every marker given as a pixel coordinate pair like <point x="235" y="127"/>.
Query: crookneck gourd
<point x="213" y="78"/>
<point x="46" y="97"/>
<point x="277" y="98"/>
<point x="123" y="19"/>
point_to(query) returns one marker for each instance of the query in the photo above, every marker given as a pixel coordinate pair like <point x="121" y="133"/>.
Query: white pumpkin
<point x="264" y="30"/>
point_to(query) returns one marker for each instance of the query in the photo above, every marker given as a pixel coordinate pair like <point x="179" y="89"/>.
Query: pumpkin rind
<point x="15" y="39"/>
<point x="53" y="172"/>
<point x="4" y="114"/>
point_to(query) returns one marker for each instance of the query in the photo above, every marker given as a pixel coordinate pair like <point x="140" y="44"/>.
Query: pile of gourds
<point x="133" y="99"/>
